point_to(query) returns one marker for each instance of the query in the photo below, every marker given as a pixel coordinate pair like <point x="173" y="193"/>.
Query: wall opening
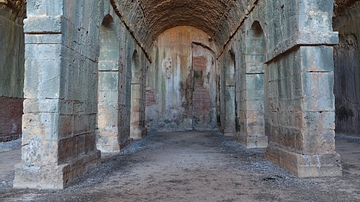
<point x="183" y="59"/>
<point x="203" y="94"/>
<point x="108" y="82"/>
<point x="136" y="93"/>
<point x="253" y="106"/>
<point x="229" y="95"/>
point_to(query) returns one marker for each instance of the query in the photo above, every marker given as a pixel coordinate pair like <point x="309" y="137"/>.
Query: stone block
<point x="28" y="177"/>
<point x="323" y="142"/>
<point x="39" y="81"/>
<point x="108" y="81"/>
<point x="317" y="58"/>
<point x="43" y="38"/>
<point x="42" y="124"/>
<point x="90" y="142"/>
<point x="108" y="65"/>
<point x="44" y="7"/>
<point x="255" y="68"/>
<point x="66" y="124"/>
<point x="41" y="105"/>
<point x="67" y="149"/>
<point x="317" y="91"/>
<point x="311" y="165"/>
<point x="81" y="124"/>
<point x="44" y="24"/>
<point x="80" y="145"/>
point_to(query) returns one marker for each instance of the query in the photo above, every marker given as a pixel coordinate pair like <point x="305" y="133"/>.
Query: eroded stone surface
<point x="257" y="70"/>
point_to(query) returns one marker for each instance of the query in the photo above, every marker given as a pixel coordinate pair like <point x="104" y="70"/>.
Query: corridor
<point x="194" y="166"/>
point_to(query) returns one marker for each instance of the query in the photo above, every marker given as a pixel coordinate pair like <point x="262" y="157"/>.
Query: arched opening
<point x="252" y="110"/>
<point x="229" y="96"/>
<point x="203" y="93"/>
<point x="108" y="82"/>
<point x="181" y="91"/>
<point x="137" y="110"/>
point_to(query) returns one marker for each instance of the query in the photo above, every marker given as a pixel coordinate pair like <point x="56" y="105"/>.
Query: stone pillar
<point x="229" y="72"/>
<point x="58" y="142"/>
<point x="108" y="87"/>
<point x="301" y="100"/>
<point x="252" y="134"/>
<point x="137" y="129"/>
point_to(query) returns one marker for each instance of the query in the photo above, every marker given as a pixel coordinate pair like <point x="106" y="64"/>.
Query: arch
<point x="137" y="114"/>
<point x="135" y="67"/>
<point x="254" y="104"/>
<point x="162" y="16"/>
<point x="203" y="90"/>
<point x="108" y="82"/>
<point x="229" y="95"/>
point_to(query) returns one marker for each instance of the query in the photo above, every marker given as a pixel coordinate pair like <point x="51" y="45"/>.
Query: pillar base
<point x="108" y="148"/>
<point x="138" y="133"/>
<point x="305" y="165"/>
<point x="253" y="142"/>
<point x="55" y="176"/>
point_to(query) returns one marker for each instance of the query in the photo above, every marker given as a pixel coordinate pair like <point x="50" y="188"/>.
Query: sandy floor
<point x="193" y="166"/>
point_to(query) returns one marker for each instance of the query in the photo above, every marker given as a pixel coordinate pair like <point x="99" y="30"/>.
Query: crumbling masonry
<point x="81" y="78"/>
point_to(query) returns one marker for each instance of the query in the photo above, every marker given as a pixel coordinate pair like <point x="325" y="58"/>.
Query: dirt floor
<point x="193" y="166"/>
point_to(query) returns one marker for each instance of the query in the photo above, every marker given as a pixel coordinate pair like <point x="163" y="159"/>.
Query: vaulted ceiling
<point x="147" y="19"/>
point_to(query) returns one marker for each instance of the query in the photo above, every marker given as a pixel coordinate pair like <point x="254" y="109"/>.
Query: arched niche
<point x="252" y="132"/>
<point x="137" y="112"/>
<point x="108" y="87"/>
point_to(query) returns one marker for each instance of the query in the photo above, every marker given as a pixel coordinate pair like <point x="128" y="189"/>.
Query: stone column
<point x="252" y="135"/>
<point x="301" y="100"/>
<point x="135" y="127"/>
<point x="137" y="130"/>
<point x="58" y="142"/>
<point x="108" y="88"/>
<point x="229" y="71"/>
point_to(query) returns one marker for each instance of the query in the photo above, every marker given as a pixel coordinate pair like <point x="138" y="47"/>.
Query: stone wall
<point x="300" y="87"/>
<point x="68" y="77"/>
<point x="181" y="87"/>
<point x="11" y="69"/>
<point x="347" y="68"/>
<point x="287" y="97"/>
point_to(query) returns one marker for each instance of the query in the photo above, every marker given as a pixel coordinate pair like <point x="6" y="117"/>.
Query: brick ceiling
<point x="149" y="18"/>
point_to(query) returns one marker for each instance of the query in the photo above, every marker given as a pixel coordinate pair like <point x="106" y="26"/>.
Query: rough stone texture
<point x="87" y="81"/>
<point x="11" y="69"/>
<point x="182" y="81"/>
<point x="61" y="92"/>
<point x="301" y="100"/>
<point x="138" y="93"/>
<point x="298" y="111"/>
<point x="108" y="87"/>
<point x="347" y="72"/>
